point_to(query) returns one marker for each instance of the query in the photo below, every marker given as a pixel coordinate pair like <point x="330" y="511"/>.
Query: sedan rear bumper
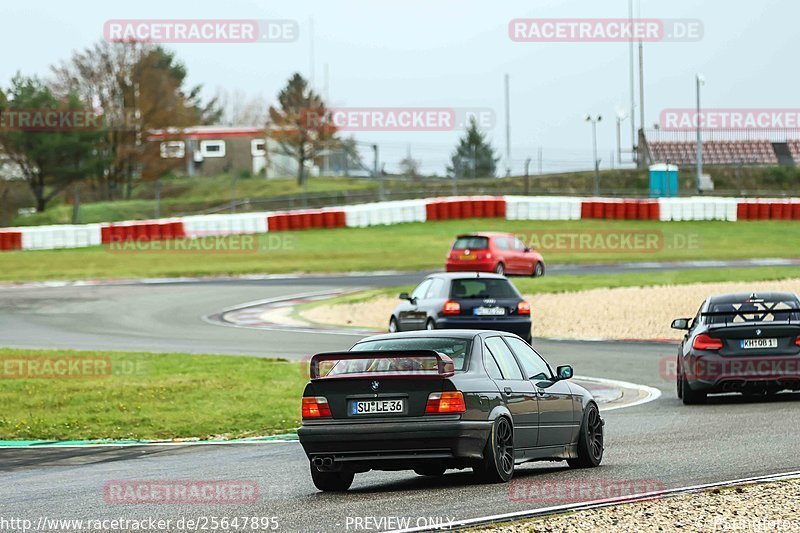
<point x="715" y="373"/>
<point x="518" y="325"/>
<point x="375" y="444"/>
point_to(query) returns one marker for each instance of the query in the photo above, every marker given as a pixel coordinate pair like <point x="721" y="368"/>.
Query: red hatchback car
<point x="493" y="252"/>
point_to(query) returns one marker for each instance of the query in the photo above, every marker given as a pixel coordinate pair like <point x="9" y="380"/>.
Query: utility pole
<point x="539" y="159"/>
<point x="508" y="129"/>
<point x="157" y="184"/>
<point x="641" y="73"/>
<point x="699" y="153"/>
<point x="527" y="177"/>
<point x="376" y="173"/>
<point x="632" y="82"/>
<point x="594" y="121"/>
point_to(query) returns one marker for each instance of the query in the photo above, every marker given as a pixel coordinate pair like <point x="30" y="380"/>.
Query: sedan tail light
<point x="316" y="407"/>
<point x="706" y="342"/>
<point x="445" y="403"/>
<point x="524" y="308"/>
<point x="797" y="341"/>
<point x="451" y="307"/>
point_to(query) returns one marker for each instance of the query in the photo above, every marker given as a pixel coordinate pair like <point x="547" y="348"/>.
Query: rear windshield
<point x="759" y="311"/>
<point x="455" y="349"/>
<point x="471" y="243"/>
<point x="482" y="288"/>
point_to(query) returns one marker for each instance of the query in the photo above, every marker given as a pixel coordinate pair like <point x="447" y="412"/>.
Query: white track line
<point x="651" y="392"/>
<point x="597" y="504"/>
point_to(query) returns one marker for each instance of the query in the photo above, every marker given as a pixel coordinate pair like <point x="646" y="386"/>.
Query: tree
<point x="139" y="87"/>
<point x="474" y="155"/>
<point x="410" y="167"/>
<point x="298" y="124"/>
<point x="50" y="157"/>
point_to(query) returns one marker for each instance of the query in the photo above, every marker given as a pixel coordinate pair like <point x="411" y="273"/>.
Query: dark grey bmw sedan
<point x="429" y="401"/>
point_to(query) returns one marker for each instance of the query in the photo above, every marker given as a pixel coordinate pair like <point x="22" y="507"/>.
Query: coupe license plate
<point x="759" y="343"/>
<point x="376" y="407"/>
<point x="489" y="311"/>
<point x="467" y="257"/>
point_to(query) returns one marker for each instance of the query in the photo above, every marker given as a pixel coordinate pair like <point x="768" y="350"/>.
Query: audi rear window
<point x="471" y="243"/>
<point x="482" y="288"/>
<point x="455" y="349"/>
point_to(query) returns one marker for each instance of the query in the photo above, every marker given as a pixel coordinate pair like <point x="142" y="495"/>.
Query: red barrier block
<point x="454" y="209"/>
<point x="140" y="232"/>
<point x="166" y="231"/>
<point x="609" y="210"/>
<point x="776" y="210"/>
<point x="490" y="209"/>
<point x="340" y="219"/>
<point x="10" y="240"/>
<point x="5" y="240"/>
<point x="295" y="223"/>
<point x="328" y="219"/>
<point x="795" y="210"/>
<point x="752" y="211"/>
<point x="431" y="211"/>
<point x="643" y="210"/>
<point x="153" y="231"/>
<point x="499" y="208"/>
<point x="178" y="231"/>
<point x="118" y="233"/>
<point x="742" y="212"/>
<point x="654" y="210"/>
<point x="317" y="220"/>
<point x="598" y="210"/>
<point x="16" y="240"/>
<point x="631" y="209"/>
<point x="442" y="212"/>
<point x="466" y="209"/>
<point x="105" y="234"/>
<point x="277" y="223"/>
<point x="587" y="209"/>
<point x="763" y="211"/>
<point x="479" y="208"/>
<point x="619" y="209"/>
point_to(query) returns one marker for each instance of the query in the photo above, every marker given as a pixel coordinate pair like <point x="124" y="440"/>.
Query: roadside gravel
<point x="622" y="313"/>
<point x="771" y="506"/>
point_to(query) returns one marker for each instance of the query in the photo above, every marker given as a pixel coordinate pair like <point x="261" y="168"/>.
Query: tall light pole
<point x="632" y="82"/>
<point x="594" y="121"/>
<point x="621" y="115"/>
<point x="700" y="81"/>
<point x="508" y="128"/>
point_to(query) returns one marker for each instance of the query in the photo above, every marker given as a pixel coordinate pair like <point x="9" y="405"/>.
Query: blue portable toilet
<point x="663" y="180"/>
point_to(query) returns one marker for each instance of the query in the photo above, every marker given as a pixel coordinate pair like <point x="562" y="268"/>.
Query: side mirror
<point x="680" y="323"/>
<point x="564" y="372"/>
<point x="528" y="250"/>
<point x="405" y="296"/>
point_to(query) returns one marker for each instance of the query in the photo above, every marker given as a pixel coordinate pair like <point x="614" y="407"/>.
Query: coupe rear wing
<point x="742" y="314"/>
<point x="382" y="364"/>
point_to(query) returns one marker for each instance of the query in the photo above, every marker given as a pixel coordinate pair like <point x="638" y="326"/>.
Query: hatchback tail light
<point x="797" y="341"/>
<point x="524" y="308"/>
<point x="316" y="407"/>
<point x="706" y="342"/>
<point x="445" y="403"/>
<point x="451" y="307"/>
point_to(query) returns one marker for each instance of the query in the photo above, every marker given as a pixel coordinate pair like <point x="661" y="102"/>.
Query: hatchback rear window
<point x="752" y="311"/>
<point x="455" y="349"/>
<point x="471" y="243"/>
<point x="482" y="288"/>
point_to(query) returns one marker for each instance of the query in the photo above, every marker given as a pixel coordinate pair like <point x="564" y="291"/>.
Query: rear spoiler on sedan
<point x="444" y="366"/>
<point x="761" y="313"/>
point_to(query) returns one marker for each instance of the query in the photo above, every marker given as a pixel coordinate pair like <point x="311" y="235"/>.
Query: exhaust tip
<point x="318" y="461"/>
<point x="327" y="461"/>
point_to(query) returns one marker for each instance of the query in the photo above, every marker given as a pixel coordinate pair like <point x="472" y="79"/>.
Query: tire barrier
<point x="399" y="212"/>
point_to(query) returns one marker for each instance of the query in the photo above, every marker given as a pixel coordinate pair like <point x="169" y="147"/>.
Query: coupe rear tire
<point x="430" y="325"/>
<point x="590" y="440"/>
<point x="679" y="379"/>
<point x="538" y="270"/>
<point x="690" y="396"/>
<point x="331" y="481"/>
<point x="497" y="465"/>
<point x="394" y="327"/>
<point x="500" y="269"/>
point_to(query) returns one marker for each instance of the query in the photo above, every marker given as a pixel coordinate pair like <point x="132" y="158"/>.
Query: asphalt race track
<point x="661" y="444"/>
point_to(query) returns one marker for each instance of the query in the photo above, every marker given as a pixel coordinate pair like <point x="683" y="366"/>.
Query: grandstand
<point x="728" y="148"/>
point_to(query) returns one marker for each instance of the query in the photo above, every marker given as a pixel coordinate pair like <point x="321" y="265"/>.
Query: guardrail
<point x="399" y="212"/>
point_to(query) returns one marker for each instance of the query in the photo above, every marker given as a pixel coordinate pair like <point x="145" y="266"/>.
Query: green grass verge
<point x="150" y="396"/>
<point x="403" y="247"/>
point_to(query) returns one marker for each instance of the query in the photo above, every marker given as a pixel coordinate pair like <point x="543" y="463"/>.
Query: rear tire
<point x="430" y="325"/>
<point x="394" y="327"/>
<point x="689" y="396"/>
<point x="430" y="470"/>
<point x="500" y="269"/>
<point x="538" y="270"/>
<point x="679" y="379"/>
<point x="590" y="440"/>
<point x="497" y="465"/>
<point x="331" y="481"/>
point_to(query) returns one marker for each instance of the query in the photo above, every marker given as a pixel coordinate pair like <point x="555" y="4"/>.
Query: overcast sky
<point x="454" y="53"/>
